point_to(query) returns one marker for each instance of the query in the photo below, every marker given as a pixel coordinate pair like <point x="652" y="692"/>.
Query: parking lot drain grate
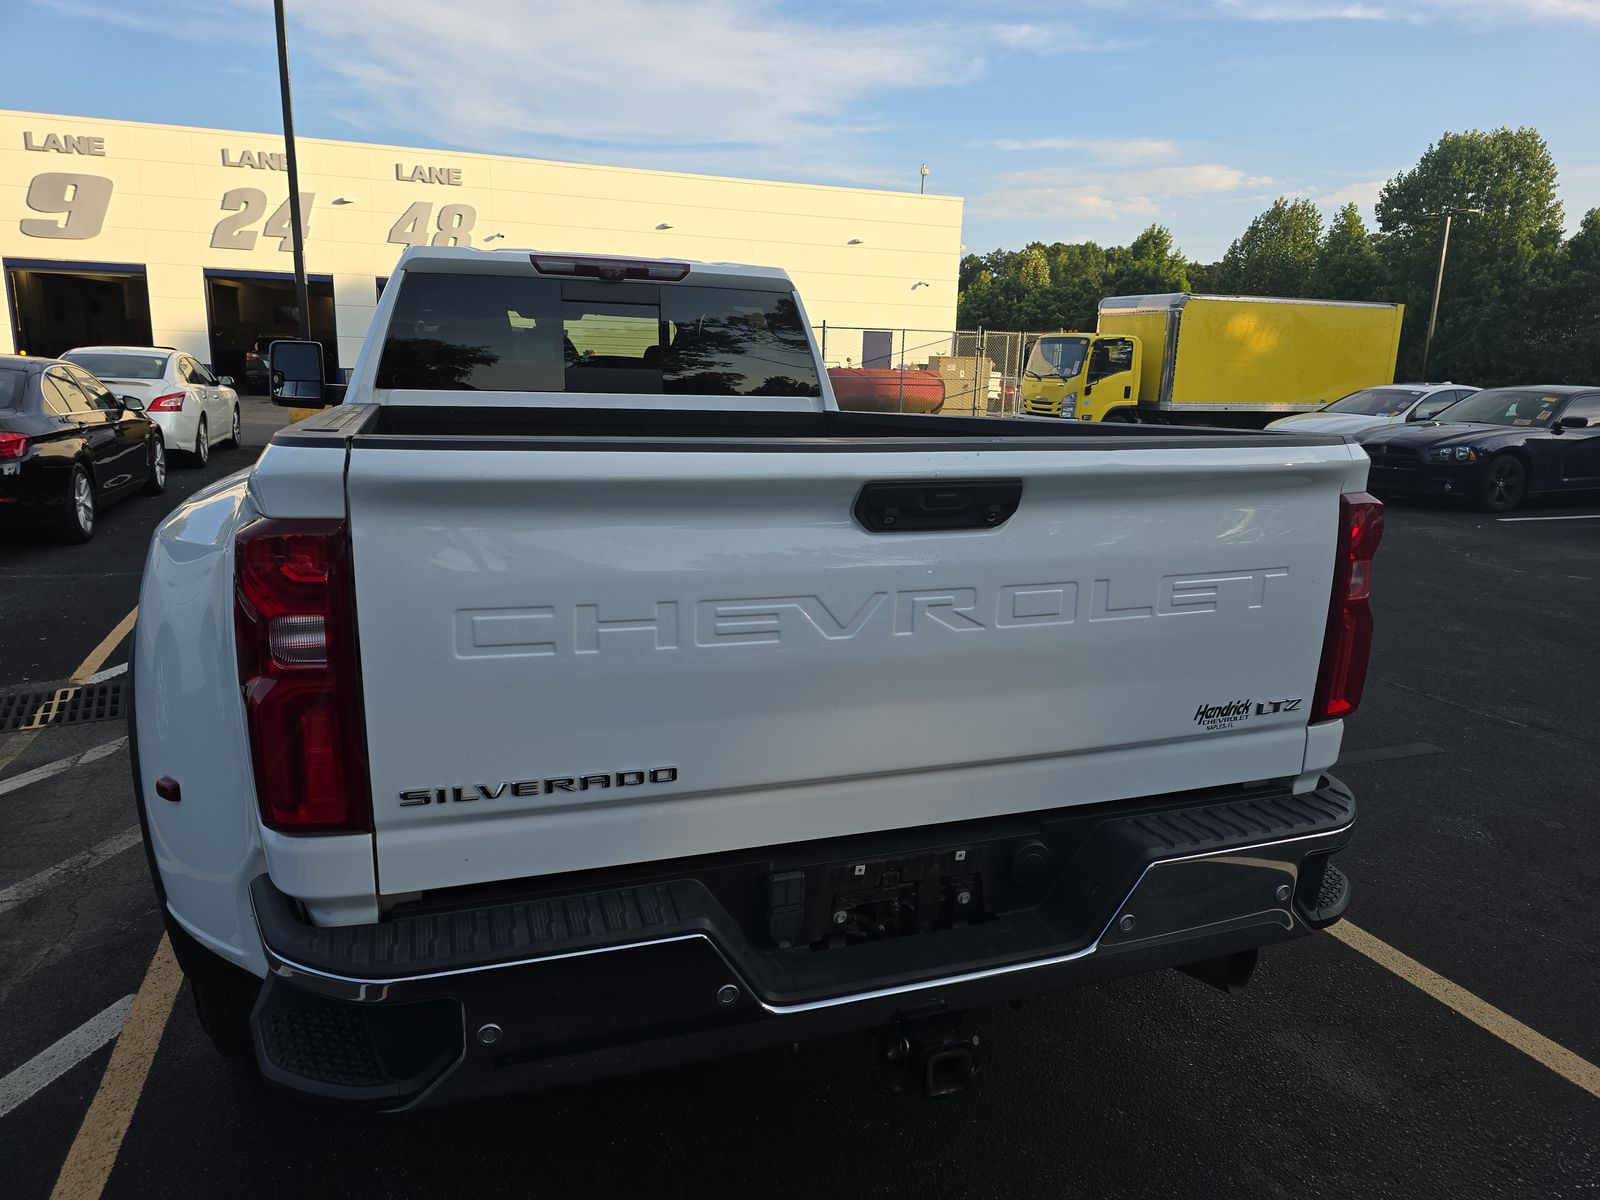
<point x="75" y="705"/>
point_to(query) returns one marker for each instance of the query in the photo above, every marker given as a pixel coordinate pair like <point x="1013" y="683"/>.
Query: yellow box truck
<point x="1212" y="360"/>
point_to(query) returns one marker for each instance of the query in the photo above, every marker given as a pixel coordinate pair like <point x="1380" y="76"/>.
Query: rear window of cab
<point x="458" y="332"/>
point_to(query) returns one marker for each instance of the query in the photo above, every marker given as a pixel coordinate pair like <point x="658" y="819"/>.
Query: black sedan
<point x="68" y="447"/>
<point x="1495" y="448"/>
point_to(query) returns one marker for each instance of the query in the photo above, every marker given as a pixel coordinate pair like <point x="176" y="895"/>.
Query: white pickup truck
<point x="587" y="693"/>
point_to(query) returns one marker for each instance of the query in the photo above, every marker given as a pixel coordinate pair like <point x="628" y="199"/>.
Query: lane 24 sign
<point x="74" y="207"/>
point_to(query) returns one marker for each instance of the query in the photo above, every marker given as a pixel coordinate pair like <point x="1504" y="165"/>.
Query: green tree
<point x="1347" y="266"/>
<point x="1204" y="277"/>
<point x="1151" y="264"/>
<point x="1566" y="305"/>
<point x="1276" y="254"/>
<point x="1033" y="269"/>
<point x="1077" y="280"/>
<point x="987" y="290"/>
<point x="1059" y="286"/>
<point x="1489" y="329"/>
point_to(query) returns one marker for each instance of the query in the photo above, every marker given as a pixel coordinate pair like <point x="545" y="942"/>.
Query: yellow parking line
<point x="12" y="750"/>
<point x="1480" y="1012"/>
<point x="97" y="656"/>
<point x="94" y="1151"/>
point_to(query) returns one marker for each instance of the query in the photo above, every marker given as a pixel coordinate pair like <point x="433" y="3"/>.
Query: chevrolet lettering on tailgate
<point x="771" y="620"/>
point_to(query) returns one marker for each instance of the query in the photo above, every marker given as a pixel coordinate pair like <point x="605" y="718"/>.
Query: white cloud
<point x="1055" y="38"/>
<point x="1105" y="150"/>
<point x="192" y="20"/>
<point x="1363" y="193"/>
<point x="1299" y="10"/>
<point x="648" y="75"/>
<point x="627" y="72"/>
<point x="1065" y="192"/>
<point x="1482" y="13"/>
<point x="1585" y="12"/>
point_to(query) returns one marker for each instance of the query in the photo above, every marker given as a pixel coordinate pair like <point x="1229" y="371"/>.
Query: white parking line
<point x="17" y="782"/>
<point x="55" y="1060"/>
<point x="33" y="885"/>
<point x="13" y="747"/>
<point x="74" y="684"/>
<point x="1575" y="517"/>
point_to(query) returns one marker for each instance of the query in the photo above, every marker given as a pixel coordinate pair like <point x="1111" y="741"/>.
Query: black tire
<point x="223" y="997"/>
<point x="234" y="440"/>
<point x="156" y="480"/>
<point x="1504" y="484"/>
<point x="78" y="514"/>
<point x="200" y="454"/>
<point x="1123" y="414"/>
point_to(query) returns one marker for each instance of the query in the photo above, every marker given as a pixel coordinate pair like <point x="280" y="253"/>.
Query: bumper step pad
<point x="328" y="1043"/>
<point x="1330" y="900"/>
<point x="352" y="1052"/>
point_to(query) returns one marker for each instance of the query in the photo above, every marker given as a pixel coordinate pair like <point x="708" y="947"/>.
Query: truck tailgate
<point x="582" y="658"/>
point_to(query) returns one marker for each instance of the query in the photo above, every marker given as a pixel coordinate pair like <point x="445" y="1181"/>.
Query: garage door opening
<point x="249" y="309"/>
<point x="56" y="306"/>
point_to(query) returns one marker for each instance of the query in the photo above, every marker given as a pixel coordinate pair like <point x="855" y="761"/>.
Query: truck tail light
<point x="171" y="402"/>
<point x="295" y="629"/>
<point x="1347" y="644"/>
<point x="13" y="445"/>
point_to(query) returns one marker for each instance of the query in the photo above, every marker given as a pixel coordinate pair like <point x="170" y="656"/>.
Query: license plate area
<point x="833" y="905"/>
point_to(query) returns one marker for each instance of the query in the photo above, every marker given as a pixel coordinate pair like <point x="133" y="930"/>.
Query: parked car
<point x="844" y="720"/>
<point x="69" y="447"/>
<point x="1372" y="408"/>
<point x="1495" y="448"/>
<point x="194" y="408"/>
<point x="255" y="365"/>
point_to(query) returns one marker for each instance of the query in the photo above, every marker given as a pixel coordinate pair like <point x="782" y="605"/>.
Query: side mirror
<point x="1572" y="423"/>
<point x="225" y="380"/>
<point x="131" y="403"/>
<point x="295" y="369"/>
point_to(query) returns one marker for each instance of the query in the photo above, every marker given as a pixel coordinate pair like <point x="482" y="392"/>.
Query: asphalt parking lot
<point x="1475" y="758"/>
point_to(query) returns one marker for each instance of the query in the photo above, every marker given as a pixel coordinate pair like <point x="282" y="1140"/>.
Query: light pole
<point x="922" y="187"/>
<point x="302" y="297"/>
<point x="1448" y="215"/>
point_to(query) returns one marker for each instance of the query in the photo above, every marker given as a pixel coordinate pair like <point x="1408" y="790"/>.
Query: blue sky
<point x="1056" y="122"/>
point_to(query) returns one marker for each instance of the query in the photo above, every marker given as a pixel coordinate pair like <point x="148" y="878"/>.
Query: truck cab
<point x="1081" y="376"/>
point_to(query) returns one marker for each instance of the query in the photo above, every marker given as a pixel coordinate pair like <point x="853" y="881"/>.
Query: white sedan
<point x="194" y="408"/>
<point x="1373" y="407"/>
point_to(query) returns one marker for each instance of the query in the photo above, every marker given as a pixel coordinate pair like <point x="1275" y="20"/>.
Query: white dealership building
<point x="119" y="231"/>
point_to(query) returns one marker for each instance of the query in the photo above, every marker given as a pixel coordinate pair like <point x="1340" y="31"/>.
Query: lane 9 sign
<point x="74" y="208"/>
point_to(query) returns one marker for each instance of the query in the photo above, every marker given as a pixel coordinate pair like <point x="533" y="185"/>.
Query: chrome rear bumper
<point x="666" y="974"/>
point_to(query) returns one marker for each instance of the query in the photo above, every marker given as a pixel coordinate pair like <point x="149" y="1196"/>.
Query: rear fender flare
<point x="189" y="725"/>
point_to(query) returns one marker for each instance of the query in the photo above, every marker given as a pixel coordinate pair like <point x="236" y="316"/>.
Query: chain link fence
<point x="902" y="370"/>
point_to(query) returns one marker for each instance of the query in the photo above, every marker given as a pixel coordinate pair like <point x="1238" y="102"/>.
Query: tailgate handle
<point x="933" y="505"/>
